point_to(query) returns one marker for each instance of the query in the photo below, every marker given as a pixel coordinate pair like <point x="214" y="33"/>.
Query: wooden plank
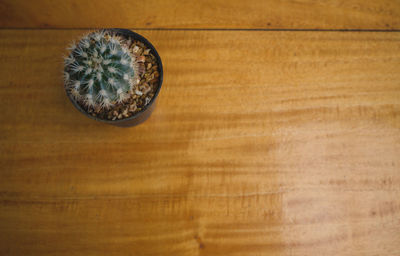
<point x="262" y="143"/>
<point x="252" y="14"/>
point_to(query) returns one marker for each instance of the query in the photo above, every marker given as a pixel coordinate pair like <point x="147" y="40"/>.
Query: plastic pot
<point x="145" y="113"/>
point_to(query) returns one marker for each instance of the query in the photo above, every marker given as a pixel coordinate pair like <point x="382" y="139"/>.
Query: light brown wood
<point x="262" y="143"/>
<point x="274" y="14"/>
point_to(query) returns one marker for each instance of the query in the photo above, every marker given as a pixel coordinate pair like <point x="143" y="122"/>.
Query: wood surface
<point x="262" y="143"/>
<point x="231" y="14"/>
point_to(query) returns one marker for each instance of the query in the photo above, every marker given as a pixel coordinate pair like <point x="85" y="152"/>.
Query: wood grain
<point x="273" y="14"/>
<point x="262" y="143"/>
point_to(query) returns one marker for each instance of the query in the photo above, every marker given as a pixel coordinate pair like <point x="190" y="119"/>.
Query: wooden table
<point x="277" y="132"/>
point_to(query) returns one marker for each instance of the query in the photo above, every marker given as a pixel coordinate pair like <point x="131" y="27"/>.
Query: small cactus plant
<point x="100" y="70"/>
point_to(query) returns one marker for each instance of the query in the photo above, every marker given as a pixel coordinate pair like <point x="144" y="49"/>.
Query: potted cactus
<point x="113" y="76"/>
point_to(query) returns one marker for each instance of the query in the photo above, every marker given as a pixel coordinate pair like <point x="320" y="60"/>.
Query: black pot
<point x="145" y="113"/>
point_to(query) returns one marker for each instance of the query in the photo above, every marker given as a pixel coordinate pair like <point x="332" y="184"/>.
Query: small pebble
<point x="138" y="92"/>
<point x="147" y="100"/>
<point x="135" y="49"/>
<point x="153" y="81"/>
<point x="125" y="113"/>
<point x="150" y="77"/>
<point x="146" y="88"/>
<point x="132" y="107"/>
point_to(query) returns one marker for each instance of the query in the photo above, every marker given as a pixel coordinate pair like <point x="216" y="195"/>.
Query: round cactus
<point x="100" y="70"/>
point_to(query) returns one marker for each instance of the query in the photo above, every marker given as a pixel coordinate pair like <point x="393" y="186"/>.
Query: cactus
<point x="100" y="71"/>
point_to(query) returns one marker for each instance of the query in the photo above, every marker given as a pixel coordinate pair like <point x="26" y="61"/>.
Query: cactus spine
<point x="100" y="70"/>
